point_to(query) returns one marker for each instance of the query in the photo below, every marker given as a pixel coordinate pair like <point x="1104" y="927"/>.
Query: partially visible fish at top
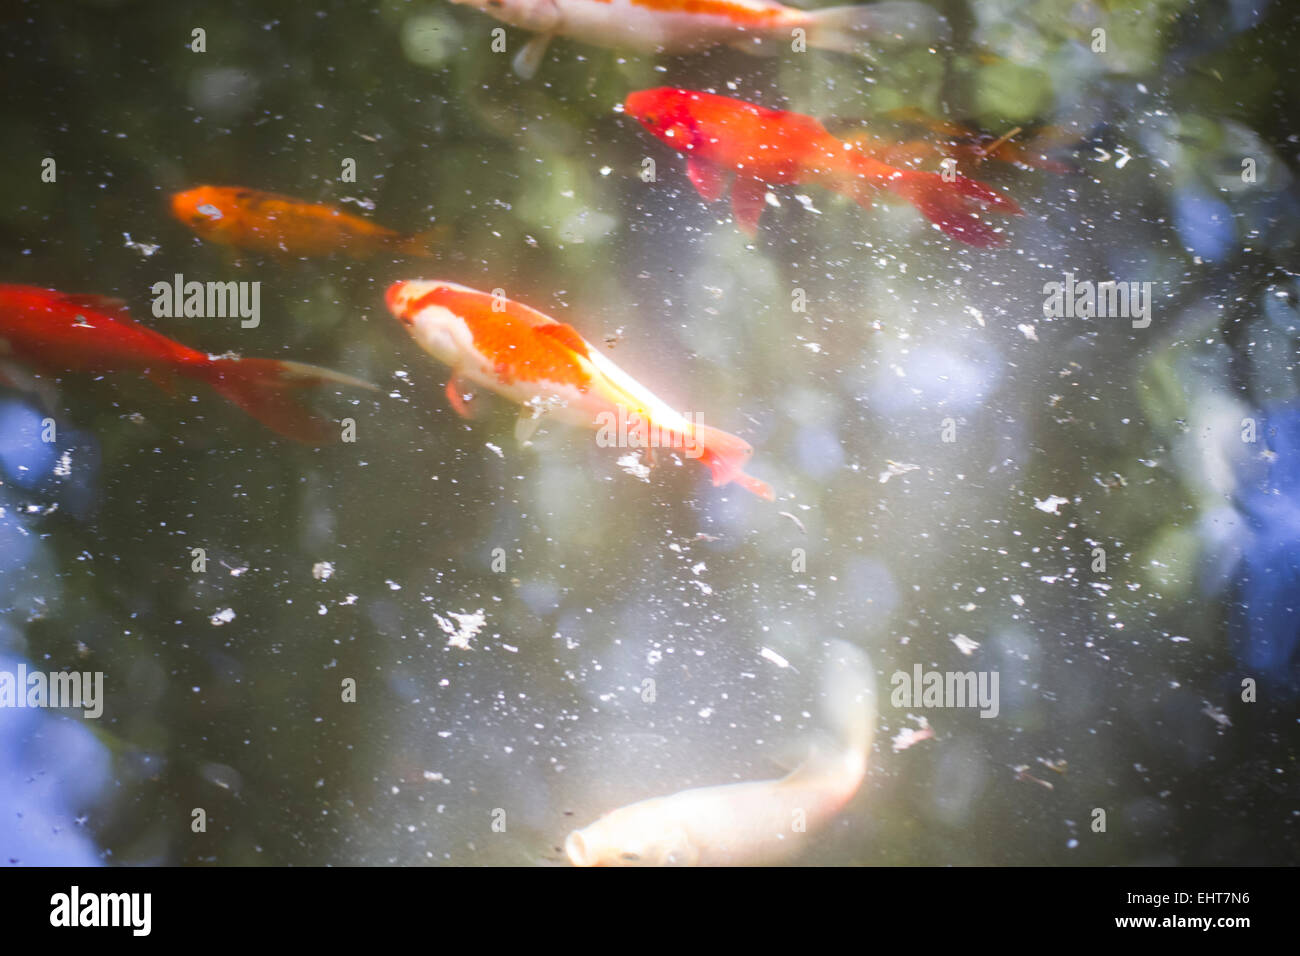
<point x="282" y="225"/>
<point x="762" y="27"/>
<point x="754" y="823"/>
<point x="725" y="138"/>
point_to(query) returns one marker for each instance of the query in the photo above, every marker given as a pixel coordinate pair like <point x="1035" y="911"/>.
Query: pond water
<point x="1099" y="509"/>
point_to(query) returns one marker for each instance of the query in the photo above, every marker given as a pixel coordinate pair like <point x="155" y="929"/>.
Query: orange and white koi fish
<point x="687" y="26"/>
<point x="550" y="369"/>
<point x="747" y="823"/>
<point x="57" y="332"/>
<point x="722" y="137"/>
<point x="282" y="225"/>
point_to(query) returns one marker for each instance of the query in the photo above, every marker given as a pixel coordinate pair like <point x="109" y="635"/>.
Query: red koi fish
<point x="722" y="136"/>
<point x="549" y="368"/>
<point x="271" y="223"/>
<point x="57" y="332"/>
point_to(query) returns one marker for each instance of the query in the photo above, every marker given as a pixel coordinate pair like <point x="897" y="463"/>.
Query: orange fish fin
<point x="100" y="303"/>
<point x="456" y="396"/>
<point x="726" y="456"/>
<point x="949" y="204"/>
<point x="264" y="389"/>
<point x="566" y="334"/>
<point x="709" y="179"/>
<point x="418" y="245"/>
<point x="748" y="196"/>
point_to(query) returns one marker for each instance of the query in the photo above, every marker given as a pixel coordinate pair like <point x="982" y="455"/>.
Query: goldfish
<point x="272" y="223"/>
<point x="687" y="26"/>
<point x="757" y="822"/>
<point x="59" y="332"/>
<point x="723" y="137"/>
<point x="548" y="368"/>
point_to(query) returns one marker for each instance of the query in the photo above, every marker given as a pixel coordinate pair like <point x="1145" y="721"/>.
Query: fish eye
<point x="631" y="857"/>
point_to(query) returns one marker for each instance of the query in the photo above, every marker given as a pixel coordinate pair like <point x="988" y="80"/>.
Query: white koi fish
<point x="747" y="823"/>
<point x="687" y="26"/>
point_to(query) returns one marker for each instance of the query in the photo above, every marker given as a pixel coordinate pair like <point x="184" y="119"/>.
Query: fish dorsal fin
<point x="709" y="179"/>
<point x="100" y="303"/>
<point x="566" y="334"/>
<point x="529" y="58"/>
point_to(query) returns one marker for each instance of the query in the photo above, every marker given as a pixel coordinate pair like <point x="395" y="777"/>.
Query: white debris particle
<point x="1050" y="503"/>
<point x="976" y="314"/>
<point x="813" y="347"/>
<point x="1217" y="715"/>
<point x="350" y="599"/>
<point x="63" y="468"/>
<point x="146" y="249"/>
<point x="464" y="630"/>
<point x="1028" y="331"/>
<point x="393" y="585"/>
<point x="909" y="737"/>
<point x="965" y="644"/>
<point x="896" y="468"/>
<point x="434" y="777"/>
<point x="705" y="713"/>
<point x="631" y="463"/>
<point x="1020" y="602"/>
<point x="495" y="449"/>
<point x="322" y="570"/>
<point x="770" y="655"/>
<point x="224" y="616"/>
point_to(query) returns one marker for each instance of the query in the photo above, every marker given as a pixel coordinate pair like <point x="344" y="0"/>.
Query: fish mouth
<point x="575" y="847"/>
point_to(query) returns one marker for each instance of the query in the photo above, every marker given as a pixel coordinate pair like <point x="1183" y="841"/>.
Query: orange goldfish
<point x="758" y="822"/>
<point x="722" y="136"/>
<point x="686" y="26"/>
<point x="269" y="222"/>
<point x="58" y="332"/>
<point x="550" y="369"/>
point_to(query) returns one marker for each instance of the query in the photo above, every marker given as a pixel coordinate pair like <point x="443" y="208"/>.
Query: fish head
<point x="667" y="113"/>
<point x="542" y="16"/>
<point x="432" y="311"/>
<point x="639" y="835"/>
<point x="205" y="209"/>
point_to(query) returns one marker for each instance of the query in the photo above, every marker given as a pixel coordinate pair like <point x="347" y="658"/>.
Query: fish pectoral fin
<point x="710" y="180"/>
<point x="456" y="396"/>
<point x="527" y="423"/>
<point x="529" y="58"/>
<point x="748" y="197"/>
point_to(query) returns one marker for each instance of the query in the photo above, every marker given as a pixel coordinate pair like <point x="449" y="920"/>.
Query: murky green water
<point x="954" y="458"/>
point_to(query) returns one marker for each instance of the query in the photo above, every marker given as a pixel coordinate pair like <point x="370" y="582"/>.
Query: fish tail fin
<point x="264" y="388"/>
<point x="419" y="246"/>
<point x="838" y="759"/>
<point x="726" y="455"/>
<point x="849" y="689"/>
<point x="951" y="204"/>
<point x="857" y="30"/>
